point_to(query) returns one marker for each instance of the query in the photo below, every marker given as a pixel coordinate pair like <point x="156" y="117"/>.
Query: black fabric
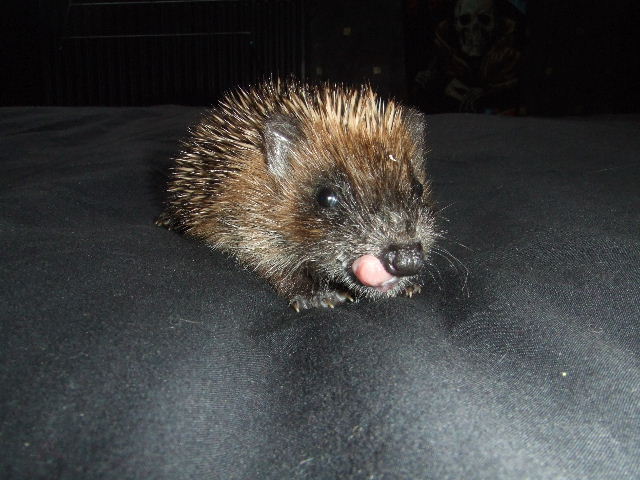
<point x="131" y="352"/>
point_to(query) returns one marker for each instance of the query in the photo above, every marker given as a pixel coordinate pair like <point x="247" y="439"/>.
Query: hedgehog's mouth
<point x="370" y="271"/>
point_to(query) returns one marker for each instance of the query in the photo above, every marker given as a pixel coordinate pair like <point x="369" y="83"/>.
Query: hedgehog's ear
<point x="417" y="127"/>
<point x="281" y="132"/>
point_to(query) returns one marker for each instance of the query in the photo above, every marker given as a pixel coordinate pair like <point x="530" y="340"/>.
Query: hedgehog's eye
<point x="417" y="189"/>
<point x="327" y="197"/>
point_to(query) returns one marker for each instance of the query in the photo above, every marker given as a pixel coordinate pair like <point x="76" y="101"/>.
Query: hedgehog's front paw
<point x="327" y="298"/>
<point x="412" y="290"/>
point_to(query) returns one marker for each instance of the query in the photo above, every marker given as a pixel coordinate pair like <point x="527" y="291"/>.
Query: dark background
<point x="578" y="56"/>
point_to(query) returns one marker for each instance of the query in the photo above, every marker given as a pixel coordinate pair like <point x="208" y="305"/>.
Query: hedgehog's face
<point x="372" y="238"/>
<point x="362" y="215"/>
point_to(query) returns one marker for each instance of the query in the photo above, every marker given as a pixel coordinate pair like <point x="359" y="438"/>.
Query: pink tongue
<point x="370" y="271"/>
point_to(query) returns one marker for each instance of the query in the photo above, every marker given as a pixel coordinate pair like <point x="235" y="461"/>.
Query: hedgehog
<point x="320" y="189"/>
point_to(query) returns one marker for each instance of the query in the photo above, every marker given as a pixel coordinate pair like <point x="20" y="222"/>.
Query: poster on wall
<point x="465" y="55"/>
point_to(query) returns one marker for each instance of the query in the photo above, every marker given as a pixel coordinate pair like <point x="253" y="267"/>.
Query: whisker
<point x="442" y="236"/>
<point x="438" y="210"/>
<point x="437" y="281"/>
<point x="455" y="263"/>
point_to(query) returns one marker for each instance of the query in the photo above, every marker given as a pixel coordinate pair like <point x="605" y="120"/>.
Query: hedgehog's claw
<point x="325" y="299"/>
<point x="412" y="290"/>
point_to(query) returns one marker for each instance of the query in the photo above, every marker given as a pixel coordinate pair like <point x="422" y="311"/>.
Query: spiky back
<point x="228" y="140"/>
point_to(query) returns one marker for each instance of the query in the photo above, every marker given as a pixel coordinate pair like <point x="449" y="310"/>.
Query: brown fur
<point x="247" y="179"/>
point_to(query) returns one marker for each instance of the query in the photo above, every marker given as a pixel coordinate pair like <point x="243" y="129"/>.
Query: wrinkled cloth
<point x="128" y="351"/>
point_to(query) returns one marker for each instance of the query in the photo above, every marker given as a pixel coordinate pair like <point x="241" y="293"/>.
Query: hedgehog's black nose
<point x="403" y="260"/>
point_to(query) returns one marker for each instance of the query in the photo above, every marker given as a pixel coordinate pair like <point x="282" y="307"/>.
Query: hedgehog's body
<point x="321" y="190"/>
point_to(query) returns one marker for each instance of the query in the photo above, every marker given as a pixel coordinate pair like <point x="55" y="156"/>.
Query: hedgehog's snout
<point x="403" y="260"/>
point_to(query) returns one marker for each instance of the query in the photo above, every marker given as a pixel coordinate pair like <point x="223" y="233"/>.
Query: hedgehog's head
<point x="355" y="202"/>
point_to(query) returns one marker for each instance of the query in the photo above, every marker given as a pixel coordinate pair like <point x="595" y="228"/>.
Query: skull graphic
<point x="475" y="23"/>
